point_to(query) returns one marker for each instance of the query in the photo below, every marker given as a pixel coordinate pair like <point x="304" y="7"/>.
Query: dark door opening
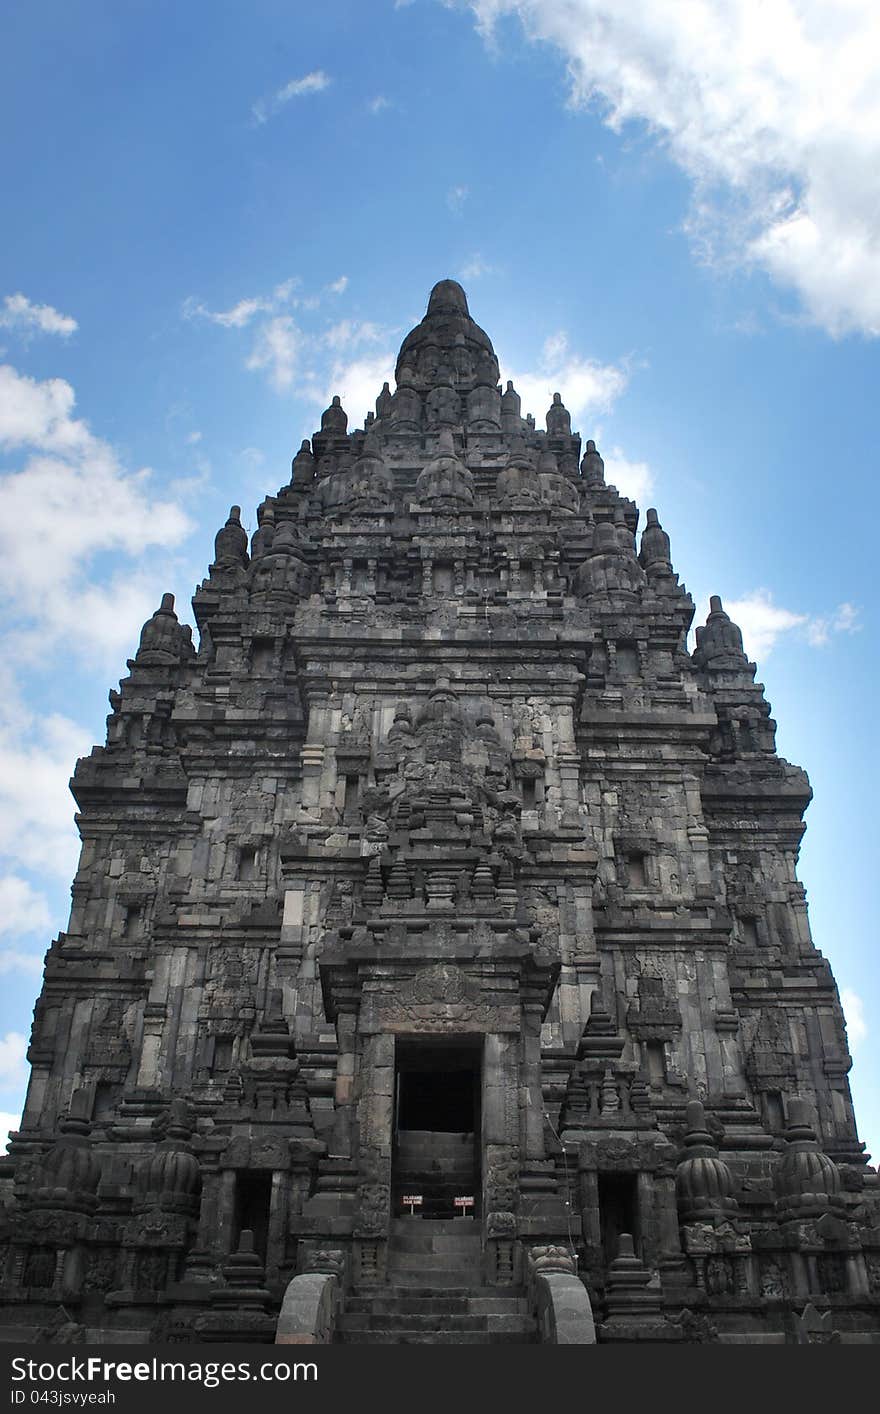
<point x="618" y="1212"/>
<point x="253" y="1197"/>
<point x="437" y="1121"/>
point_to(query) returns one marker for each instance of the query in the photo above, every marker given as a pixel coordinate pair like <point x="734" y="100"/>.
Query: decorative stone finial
<point x="230" y="544"/>
<point x="719" y="642"/>
<point x="703" y="1182"/>
<point x="162" y="638"/>
<point x="335" y="419"/>
<point x="302" y="468"/>
<point x="625" y="537"/>
<point x="445" y="478"/>
<point x="261" y="540"/>
<point x="558" y="418"/>
<point x="511" y="403"/>
<point x="654" y="555"/>
<point x="592" y="466"/>
<point x="69" y="1172"/>
<point x="384" y="402"/>
<point x="807" y="1180"/>
<point x="448" y="297"/>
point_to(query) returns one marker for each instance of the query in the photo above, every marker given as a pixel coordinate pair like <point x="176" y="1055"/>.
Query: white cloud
<point x="89" y="505"/>
<point x="8" y="1121"/>
<point x="845" y="619"/>
<point x="764" y="623"/>
<point x="475" y="268"/>
<point x="854" y="1009"/>
<point x="37" y="756"/>
<point x="456" y="197"/>
<point x="242" y="313"/>
<point x="633" y="479"/>
<point x="357" y="381"/>
<point x="19" y="313"/>
<point x="311" y="361"/>
<point x="772" y="110"/>
<point x="12" y="1058"/>
<point x="585" y="385"/>
<point x="22" y="909"/>
<point x="276" y="350"/>
<point x="348" y="333"/>
<point x="266" y="108"/>
<point x="378" y="104"/>
<point x="235" y="318"/>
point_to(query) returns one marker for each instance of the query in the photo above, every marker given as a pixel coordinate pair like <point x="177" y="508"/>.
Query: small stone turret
<point x="334" y="419"/>
<point x="703" y="1182"/>
<point x="69" y="1172"/>
<point x="384" y="402"/>
<point x="625" y="538"/>
<point x="511" y="411"/>
<point x="558" y="418"/>
<point x="654" y="552"/>
<point x="163" y="639"/>
<point x="807" y="1180"/>
<point x="719" y="643"/>
<point x="261" y="540"/>
<point x="172" y="1177"/>
<point x="445" y="478"/>
<point x="592" y="467"/>
<point x="302" y="469"/>
<point x="230" y="543"/>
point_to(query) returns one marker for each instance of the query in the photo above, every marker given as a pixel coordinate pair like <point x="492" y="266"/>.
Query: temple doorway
<point x="436" y="1154"/>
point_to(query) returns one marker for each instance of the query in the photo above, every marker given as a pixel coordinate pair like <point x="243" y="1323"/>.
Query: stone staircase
<point x="435" y="1294"/>
<point x="438" y="1166"/>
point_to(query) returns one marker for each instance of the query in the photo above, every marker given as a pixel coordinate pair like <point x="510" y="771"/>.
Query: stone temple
<point x="437" y="969"/>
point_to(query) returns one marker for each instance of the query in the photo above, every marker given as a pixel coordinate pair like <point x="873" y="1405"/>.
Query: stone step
<point x="458" y="1279"/>
<point x="403" y="1299"/>
<point x="411" y="1337"/>
<point x="453" y="1226"/>
<point x="433" y="1262"/>
<point x="410" y="1320"/>
<point x="408" y="1176"/>
<point x="436" y="1243"/>
<point x="434" y="1139"/>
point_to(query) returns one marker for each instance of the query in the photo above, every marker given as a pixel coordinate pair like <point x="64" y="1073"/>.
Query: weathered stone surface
<point x="441" y="897"/>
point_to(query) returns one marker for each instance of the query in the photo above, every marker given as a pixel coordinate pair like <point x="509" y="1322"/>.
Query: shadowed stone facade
<point x="437" y="955"/>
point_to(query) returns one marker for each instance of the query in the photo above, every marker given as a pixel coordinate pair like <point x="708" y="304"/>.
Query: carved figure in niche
<point x="484" y="409"/>
<point x="559" y="493"/>
<point x="773" y="1284"/>
<point x="39" y="1269"/>
<point x="374" y="1195"/>
<point x="462" y="360"/>
<point x="519" y="486"/>
<point x="611" y="568"/>
<point x="446" y="479"/>
<point x="101" y="1270"/>
<point x="406" y="405"/>
<point x="438" y="759"/>
<point x="502" y="1178"/>
<point x="442" y="406"/>
<point x="281" y="568"/>
<point x="150" y="1270"/>
<point x="719" y="1276"/>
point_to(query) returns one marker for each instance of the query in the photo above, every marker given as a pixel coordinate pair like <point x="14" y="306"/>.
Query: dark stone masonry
<point x="437" y="969"/>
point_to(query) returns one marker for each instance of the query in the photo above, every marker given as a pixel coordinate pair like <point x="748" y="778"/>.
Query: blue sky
<point x="218" y="214"/>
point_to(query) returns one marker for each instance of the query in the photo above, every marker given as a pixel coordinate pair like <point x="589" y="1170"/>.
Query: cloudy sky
<point x="218" y="214"/>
